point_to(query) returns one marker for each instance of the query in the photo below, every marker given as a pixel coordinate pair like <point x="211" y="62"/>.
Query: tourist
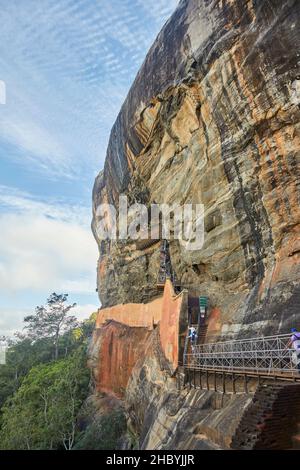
<point x="193" y="334"/>
<point x="295" y="344"/>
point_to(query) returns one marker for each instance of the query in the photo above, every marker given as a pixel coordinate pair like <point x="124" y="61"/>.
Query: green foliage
<point x="51" y="321"/>
<point x="42" y="413"/>
<point x="20" y="357"/>
<point x="23" y="354"/>
<point x="104" y="432"/>
<point x="45" y="380"/>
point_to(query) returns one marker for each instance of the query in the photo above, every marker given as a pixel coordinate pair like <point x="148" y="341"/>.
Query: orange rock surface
<point x="116" y="348"/>
<point x="172" y="309"/>
<point x="135" y="315"/>
<point x="122" y="331"/>
<point x="213" y="117"/>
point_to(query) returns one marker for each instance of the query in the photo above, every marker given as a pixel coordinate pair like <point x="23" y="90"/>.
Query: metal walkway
<point x="261" y="356"/>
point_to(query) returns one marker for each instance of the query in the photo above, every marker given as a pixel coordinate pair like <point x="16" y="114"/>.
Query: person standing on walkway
<point x="294" y="342"/>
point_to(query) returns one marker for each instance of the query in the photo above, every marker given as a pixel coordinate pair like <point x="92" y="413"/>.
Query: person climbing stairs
<point x="196" y="331"/>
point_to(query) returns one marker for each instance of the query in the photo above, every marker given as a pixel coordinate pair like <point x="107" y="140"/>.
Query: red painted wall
<point x="119" y="347"/>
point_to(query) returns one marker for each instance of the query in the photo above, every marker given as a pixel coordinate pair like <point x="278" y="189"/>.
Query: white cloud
<point x="67" y="67"/>
<point x="42" y="254"/>
<point x="2" y="92"/>
<point x="37" y="143"/>
<point x="45" y="246"/>
<point x="84" y="311"/>
<point x="160" y="10"/>
<point x="22" y="202"/>
<point x="11" y="320"/>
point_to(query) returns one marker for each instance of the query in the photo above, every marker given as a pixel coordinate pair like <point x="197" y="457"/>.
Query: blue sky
<point x="67" y="66"/>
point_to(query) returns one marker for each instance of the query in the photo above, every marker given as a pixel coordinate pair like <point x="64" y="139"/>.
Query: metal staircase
<point x="202" y="334"/>
<point x="200" y="305"/>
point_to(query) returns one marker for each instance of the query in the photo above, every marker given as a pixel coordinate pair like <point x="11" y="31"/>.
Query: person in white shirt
<point x="193" y="334"/>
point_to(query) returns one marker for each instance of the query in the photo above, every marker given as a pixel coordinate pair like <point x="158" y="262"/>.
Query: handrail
<point x="243" y="340"/>
<point x="265" y="353"/>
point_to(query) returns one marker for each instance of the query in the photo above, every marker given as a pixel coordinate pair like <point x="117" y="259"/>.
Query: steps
<point x="271" y="420"/>
<point x="202" y="334"/>
<point x="296" y="439"/>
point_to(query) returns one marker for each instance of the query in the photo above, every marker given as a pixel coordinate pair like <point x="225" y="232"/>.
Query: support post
<point x="207" y="381"/>
<point x="245" y="384"/>
<point x="223" y="382"/>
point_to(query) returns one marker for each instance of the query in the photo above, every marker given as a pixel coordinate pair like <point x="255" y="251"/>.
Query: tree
<point x="22" y="354"/>
<point x="42" y="414"/>
<point x="67" y="395"/>
<point x="104" y="432"/>
<point x="40" y="397"/>
<point x="51" y="321"/>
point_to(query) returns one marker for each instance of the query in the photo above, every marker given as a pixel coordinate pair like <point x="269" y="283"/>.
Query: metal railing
<point x="266" y="354"/>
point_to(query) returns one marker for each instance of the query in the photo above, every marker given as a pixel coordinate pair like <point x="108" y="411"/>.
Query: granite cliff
<point x="212" y="117"/>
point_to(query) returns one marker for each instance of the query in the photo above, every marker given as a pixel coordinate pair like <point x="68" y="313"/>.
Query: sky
<point x="66" y="67"/>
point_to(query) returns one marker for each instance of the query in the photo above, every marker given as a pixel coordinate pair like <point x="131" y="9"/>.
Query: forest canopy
<point x="45" y="380"/>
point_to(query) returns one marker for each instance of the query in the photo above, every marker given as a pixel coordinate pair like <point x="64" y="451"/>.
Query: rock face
<point x="116" y="348"/>
<point x="213" y="118"/>
<point x="164" y="418"/>
<point x="121" y="333"/>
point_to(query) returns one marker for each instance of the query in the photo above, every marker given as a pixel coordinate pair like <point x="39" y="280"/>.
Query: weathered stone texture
<point x="121" y="331"/>
<point x="164" y="418"/>
<point x="114" y="350"/>
<point x="213" y="117"/>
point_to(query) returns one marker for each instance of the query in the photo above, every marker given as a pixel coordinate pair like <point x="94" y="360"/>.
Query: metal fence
<point x="266" y="354"/>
